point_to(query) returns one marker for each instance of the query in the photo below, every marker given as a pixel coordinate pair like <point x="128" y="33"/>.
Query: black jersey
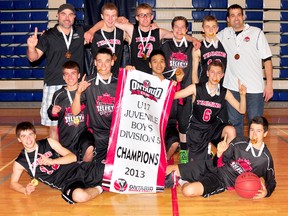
<point x="209" y="54"/>
<point x="138" y="48"/>
<point x="179" y="57"/>
<point x="205" y="107"/>
<point x="52" y="44"/>
<point x="69" y="126"/>
<point x="238" y="159"/>
<point x="57" y="176"/>
<point x="100" y="42"/>
<point x="100" y="101"/>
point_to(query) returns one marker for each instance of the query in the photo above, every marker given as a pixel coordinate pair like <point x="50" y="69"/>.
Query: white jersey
<point x="252" y="47"/>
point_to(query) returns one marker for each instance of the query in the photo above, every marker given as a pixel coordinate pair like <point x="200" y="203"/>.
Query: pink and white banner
<point x="136" y="158"/>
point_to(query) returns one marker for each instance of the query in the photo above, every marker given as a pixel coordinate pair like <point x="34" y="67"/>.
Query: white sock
<point x="182" y="182"/>
<point x="99" y="188"/>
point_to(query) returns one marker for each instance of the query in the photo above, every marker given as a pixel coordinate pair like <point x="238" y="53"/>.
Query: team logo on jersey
<point x="178" y="60"/>
<point x="110" y="41"/>
<point x="120" y="185"/>
<point x="247" y="39"/>
<point x="214" y="54"/>
<point x="105" y="104"/>
<point x="145" y="89"/>
<point x="241" y="165"/>
<point x="70" y="119"/>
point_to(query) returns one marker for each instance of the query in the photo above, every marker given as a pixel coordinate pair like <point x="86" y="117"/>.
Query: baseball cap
<point x="66" y="6"/>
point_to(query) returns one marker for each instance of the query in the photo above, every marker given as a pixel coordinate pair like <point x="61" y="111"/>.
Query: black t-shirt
<point x="52" y="44"/>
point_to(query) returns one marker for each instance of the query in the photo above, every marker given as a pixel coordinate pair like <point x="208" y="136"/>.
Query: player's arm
<point x="195" y="64"/>
<point x="76" y="105"/>
<point x="268" y="70"/>
<point x="67" y="156"/>
<point x="33" y="53"/>
<point x="88" y="35"/>
<point x="15" y="177"/>
<point x="240" y="107"/>
<point x="128" y="28"/>
<point x="189" y="90"/>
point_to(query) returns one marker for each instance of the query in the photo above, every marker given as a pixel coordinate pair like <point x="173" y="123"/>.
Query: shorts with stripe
<point x="48" y="92"/>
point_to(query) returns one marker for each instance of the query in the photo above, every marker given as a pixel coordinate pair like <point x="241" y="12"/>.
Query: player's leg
<point x="85" y="194"/>
<point x="86" y="146"/>
<point x="192" y="189"/>
<point x="236" y="118"/>
<point x="230" y="133"/>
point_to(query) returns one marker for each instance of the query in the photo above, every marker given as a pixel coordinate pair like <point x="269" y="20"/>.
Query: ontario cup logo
<point x="120" y="185"/>
<point x="145" y="89"/>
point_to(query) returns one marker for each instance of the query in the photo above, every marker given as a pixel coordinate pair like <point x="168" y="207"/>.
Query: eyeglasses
<point x="148" y="15"/>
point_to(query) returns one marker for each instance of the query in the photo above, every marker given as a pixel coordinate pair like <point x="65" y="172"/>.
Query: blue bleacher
<point x="23" y="73"/>
<point x="7" y="62"/>
<point x="21" y="62"/>
<point x="39" y="15"/>
<point x="284" y="4"/>
<point x="24" y="96"/>
<point x="41" y="26"/>
<point x="283" y="50"/>
<point x="22" y="27"/>
<point x="7" y="50"/>
<point x="80" y="15"/>
<point x="283" y="38"/>
<point x="283" y="73"/>
<point x="39" y="4"/>
<point x="284" y="16"/>
<point x="6" y="16"/>
<point x="254" y="4"/>
<point x="20" y="50"/>
<point x="199" y="15"/>
<point x="256" y="24"/>
<point x="220" y="15"/>
<point x="6" y="5"/>
<point x="37" y="73"/>
<point x="22" y="16"/>
<point x="254" y="15"/>
<point x="284" y="27"/>
<point x="21" y="38"/>
<point x="152" y="3"/>
<point x="222" y="25"/>
<point x="7" y="96"/>
<point x="76" y="3"/>
<point x="283" y="62"/>
<point x="6" y="27"/>
<point x="7" y="74"/>
<point x="219" y="4"/>
<point x="201" y="3"/>
<point x="37" y="96"/>
<point x="283" y="96"/>
<point x="6" y="39"/>
<point x="20" y="4"/>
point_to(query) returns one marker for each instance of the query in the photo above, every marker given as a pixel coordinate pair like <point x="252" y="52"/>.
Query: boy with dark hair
<point x="48" y="161"/>
<point x="72" y="130"/>
<point x="206" y="178"/>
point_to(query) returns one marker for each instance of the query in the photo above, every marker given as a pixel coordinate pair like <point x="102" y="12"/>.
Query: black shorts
<point x="85" y="140"/>
<point x="205" y="173"/>
<point x="171" y="135"/>
<point x="198" y="139"/>
<point x="183" y="114"/>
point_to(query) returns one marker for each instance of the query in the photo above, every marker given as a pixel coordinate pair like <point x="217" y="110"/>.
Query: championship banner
<point x="136" y="157"/>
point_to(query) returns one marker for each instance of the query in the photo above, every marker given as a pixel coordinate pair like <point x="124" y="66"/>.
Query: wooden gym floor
<point x="47" y="201"/>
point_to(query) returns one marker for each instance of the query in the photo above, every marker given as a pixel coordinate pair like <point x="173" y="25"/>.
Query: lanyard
<point x="69" y="96"/>
<point x="31" y="167"/>
<point x="107" y="41"/>
<point x="69" y="40"/>
<point x="214" y="43"/>
<point x="103" y="81"/>
<point x="181" y="43"/>
<point x="147" y="39"/>
<point x="250" y="146"/>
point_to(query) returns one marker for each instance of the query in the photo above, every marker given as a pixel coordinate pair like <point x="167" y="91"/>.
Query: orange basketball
<point x="247" y="185"/>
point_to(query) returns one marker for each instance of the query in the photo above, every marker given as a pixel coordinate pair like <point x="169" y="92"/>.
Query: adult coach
<point x="61" y="43"/>
<point x="246" y="48"/>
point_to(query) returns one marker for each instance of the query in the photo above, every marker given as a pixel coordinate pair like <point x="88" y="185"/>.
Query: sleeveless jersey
<point x="179" y="57"/>
<point x="137" y="48"/>
<point x="99" y="42"/>
<point x="206" y="108"/>
<point x="100" y="111"/>
<point x="207" y="56"/>
<point x="55" y="175"/>
<point x="69" y="126"/>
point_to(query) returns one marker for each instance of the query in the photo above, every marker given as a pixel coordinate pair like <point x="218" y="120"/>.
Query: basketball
<point x="247" y="185"/>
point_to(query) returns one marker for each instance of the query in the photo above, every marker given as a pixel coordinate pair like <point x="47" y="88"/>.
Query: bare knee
<point x="230" y="132"/>
<point x="80" y="195"/>
<point x="192" y="189"/>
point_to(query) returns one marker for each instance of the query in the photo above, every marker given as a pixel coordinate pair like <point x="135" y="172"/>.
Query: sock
<point x="99" y="188"/>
